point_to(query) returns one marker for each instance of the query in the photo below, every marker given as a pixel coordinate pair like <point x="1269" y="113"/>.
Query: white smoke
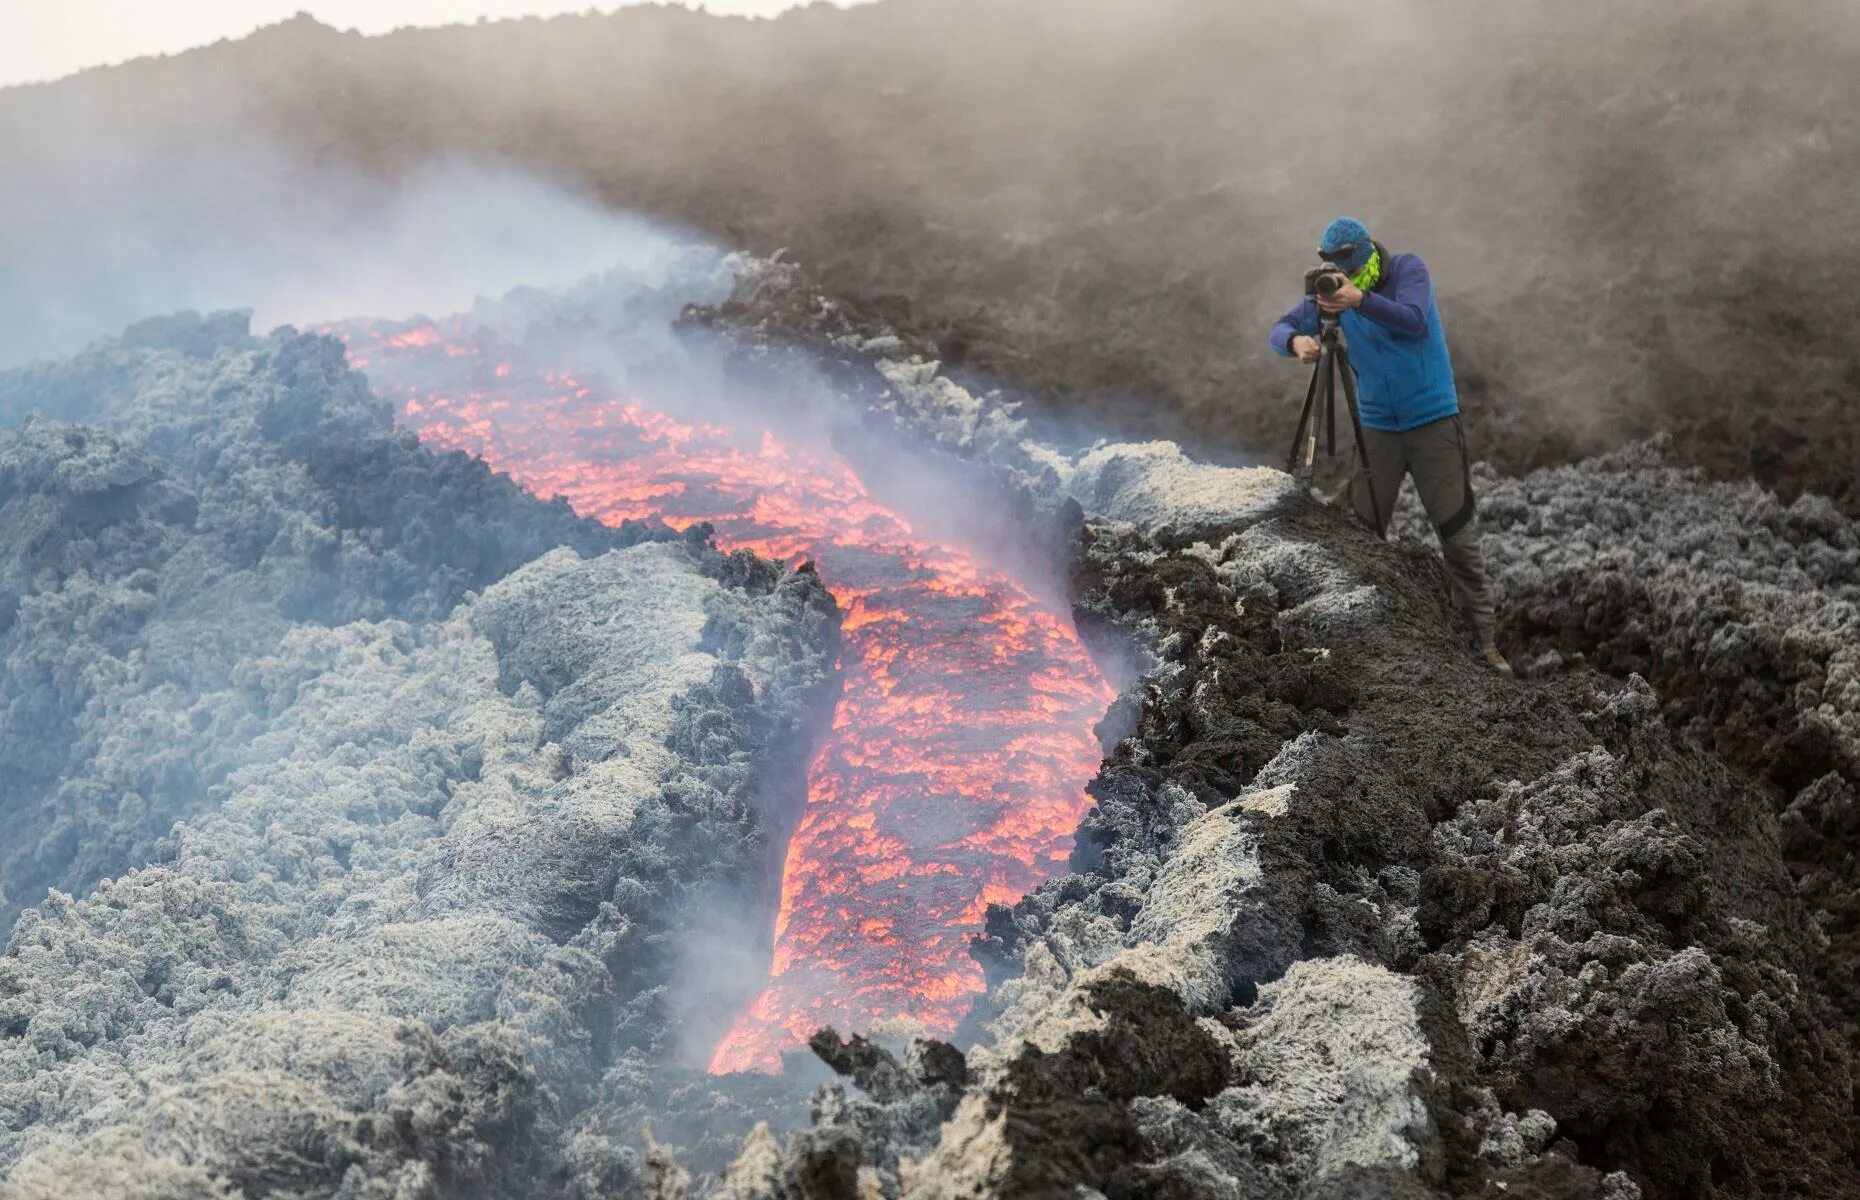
<point x="295" y="244"/>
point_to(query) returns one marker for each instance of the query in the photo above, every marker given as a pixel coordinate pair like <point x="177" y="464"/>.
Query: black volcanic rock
<point x="1455" y="934"/>
<point x="1743" y="612"/>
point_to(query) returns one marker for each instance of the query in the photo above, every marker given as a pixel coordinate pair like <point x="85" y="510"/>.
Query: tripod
<point x="1333" y="361"/>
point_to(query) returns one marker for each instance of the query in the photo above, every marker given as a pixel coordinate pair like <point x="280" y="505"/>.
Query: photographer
<point x="1410" y="409"/>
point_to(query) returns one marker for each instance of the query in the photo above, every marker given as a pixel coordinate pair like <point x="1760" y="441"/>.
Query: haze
<point x="1640" y="217"/>
<point x="49" y="41"/>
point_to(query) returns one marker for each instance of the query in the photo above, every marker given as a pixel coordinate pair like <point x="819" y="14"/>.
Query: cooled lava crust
<point x="1355" y="917"/>
<point x="1351" y="916"/>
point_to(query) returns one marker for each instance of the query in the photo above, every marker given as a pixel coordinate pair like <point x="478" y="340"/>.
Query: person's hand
<point x="1347" y="296"/>
<point x="1305" y="348"/>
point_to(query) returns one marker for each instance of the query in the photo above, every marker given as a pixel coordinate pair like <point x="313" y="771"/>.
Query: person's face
<point x="1344" y="258"/>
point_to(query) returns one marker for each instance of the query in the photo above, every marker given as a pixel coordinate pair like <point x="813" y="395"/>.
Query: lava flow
<point x="952" y="777"/>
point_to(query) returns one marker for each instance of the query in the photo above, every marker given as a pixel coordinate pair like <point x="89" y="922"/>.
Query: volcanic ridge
<point x="763" y="723"/>
<point x="401" y="794"/>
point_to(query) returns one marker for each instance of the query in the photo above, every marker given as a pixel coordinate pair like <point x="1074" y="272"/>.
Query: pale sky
<point x="47" y="39"/>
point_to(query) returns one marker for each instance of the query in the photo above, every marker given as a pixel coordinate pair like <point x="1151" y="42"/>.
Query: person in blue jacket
<point x="1410" y="409"/>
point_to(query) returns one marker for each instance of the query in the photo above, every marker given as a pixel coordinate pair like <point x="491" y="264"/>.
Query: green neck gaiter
<point x="1371" y="274"/>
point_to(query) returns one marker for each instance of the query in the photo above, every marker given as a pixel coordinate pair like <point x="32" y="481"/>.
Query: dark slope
<point x="1640" y="216"/>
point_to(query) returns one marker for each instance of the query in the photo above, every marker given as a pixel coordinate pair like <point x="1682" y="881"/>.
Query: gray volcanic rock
<point x="1451" y="933"/>
<point x="1743" y="610"/>
<point x="1744" y="614"/>
<point x="223" y="492"/>
<point x="1595" y="914"/>
<point x="454" y="771"/>
<point x="390" y="958"/>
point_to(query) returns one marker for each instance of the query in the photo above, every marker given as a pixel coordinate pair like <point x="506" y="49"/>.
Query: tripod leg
<point x="1330" y="402"/>
<point x="1362" y="450"/>
<point x="1327" y="367"/>
<point x="1304" y="422"/>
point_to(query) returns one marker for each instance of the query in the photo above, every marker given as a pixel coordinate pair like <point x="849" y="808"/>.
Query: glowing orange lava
<point x="953" y="774"/>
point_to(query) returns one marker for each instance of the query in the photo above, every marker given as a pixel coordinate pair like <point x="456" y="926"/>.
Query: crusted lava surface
<point x="1354" y="916"/>
<point x="1741" y="610"/>
<point x="385" y="793"/>
<point x="1350" y="916"/>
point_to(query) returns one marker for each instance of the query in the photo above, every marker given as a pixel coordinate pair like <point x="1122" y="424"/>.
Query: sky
<point x="48" y="39"/>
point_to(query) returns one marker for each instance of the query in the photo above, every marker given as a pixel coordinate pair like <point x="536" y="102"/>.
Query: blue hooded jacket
<point x="1404" y="376"/>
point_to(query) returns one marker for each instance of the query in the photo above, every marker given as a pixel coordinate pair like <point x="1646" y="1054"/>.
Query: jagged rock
<point x="1318" y="779"/>
<point x="389" y="955"/>
<point x="1351" y="917"/>
<point x="1744" y="614"/>
<point x="1329" y="1053"/>
<point x="224" y="491"/>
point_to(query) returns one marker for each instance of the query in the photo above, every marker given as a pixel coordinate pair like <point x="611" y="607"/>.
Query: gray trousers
<point x="1435" y="455"/>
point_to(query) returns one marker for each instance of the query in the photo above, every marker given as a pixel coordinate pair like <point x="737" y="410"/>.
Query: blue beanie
<point x="1343" y="232"/>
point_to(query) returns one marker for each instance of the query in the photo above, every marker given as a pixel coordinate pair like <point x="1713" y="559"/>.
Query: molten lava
<point x="952" y="777"/>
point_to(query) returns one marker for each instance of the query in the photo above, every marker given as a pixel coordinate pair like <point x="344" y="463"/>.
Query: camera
<point x="1322" y="281"/>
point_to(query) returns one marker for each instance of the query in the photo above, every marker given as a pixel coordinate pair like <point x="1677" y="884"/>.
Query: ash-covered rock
<point x="221" y="492"/>
<point x="418" y="867"/>
<point x="1662" y="891"/>
<point x="435" y="879"/>
<point x="1452" y="934"/>
<point x="1744" y="614"/>
<point x="1744" y="611"/>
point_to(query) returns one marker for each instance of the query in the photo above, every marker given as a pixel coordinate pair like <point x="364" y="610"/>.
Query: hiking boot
<point x="1495" y="660"/>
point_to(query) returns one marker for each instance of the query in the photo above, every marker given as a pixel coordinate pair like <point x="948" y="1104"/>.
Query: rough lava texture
<point x="446" y="857"/>
<point x="179" y="501"/>
<point x="1741" y="610"/>
<point x="1351" y="916"/>
<point x="1355" y="917"/>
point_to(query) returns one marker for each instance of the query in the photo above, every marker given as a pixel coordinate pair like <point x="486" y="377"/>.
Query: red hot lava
<point x="952" y="775"/>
